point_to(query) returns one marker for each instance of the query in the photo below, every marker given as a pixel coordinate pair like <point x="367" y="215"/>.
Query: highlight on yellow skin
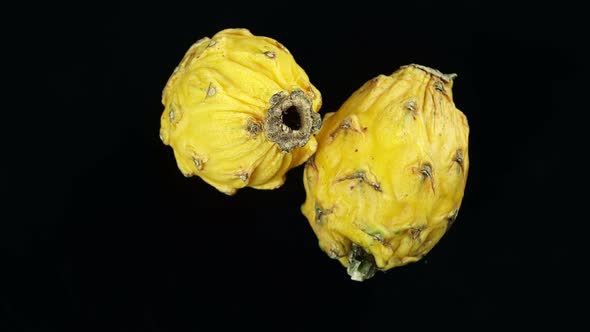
<point x="389" y="173"/>
<point x="221" y="118"/>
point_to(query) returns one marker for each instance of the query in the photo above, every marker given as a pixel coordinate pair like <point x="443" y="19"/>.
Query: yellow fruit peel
<point x="389" y="173"/>
<point x="225" y="109"/>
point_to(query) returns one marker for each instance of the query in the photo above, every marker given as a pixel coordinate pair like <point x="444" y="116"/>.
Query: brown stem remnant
<point x="285" y="136"/>
<point x="361" y="264"/>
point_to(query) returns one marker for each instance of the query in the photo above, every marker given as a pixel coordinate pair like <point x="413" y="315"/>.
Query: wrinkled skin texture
<point x="389" y="173"/>
<point x="216" y="107"/>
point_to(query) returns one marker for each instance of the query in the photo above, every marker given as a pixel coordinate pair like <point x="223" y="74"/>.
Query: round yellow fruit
<point x="389" y="173"/>
<point x="226" y="110"/>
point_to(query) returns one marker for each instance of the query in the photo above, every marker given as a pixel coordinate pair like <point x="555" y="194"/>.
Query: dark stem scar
<point x="360" y="175"/>
<point x="291" y="118"/>
<point x="278" y="132"/>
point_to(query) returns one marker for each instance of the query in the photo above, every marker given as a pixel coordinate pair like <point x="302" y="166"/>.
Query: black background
<point x="114" y="238"/>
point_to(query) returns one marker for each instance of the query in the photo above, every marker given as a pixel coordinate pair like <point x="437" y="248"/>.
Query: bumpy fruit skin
<point x="224" y="107"/>
<point x="389" y="173"/>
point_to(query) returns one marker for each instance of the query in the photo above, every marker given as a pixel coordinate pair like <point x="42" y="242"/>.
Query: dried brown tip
<point x="445" y="77"/>
<point x="297" y="107"/>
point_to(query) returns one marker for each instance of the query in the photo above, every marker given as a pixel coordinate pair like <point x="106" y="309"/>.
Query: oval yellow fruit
<point x="389" y="174"/>
<point x="239" y="111"/>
